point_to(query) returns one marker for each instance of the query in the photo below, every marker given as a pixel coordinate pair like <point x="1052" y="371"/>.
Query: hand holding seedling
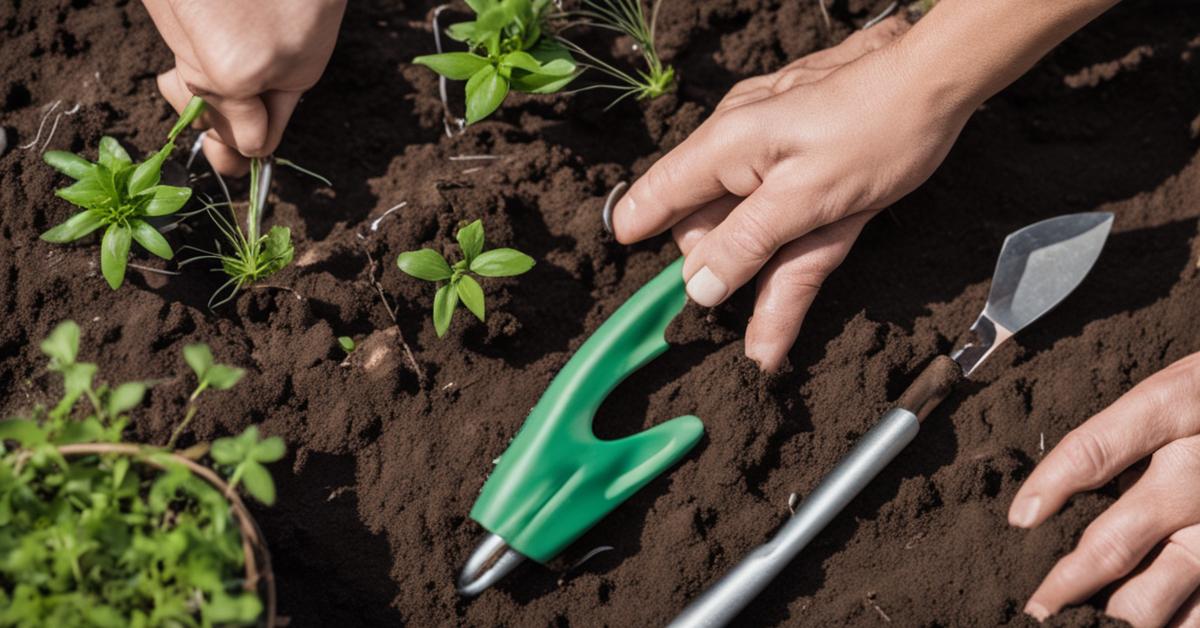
<point x="251" y="61"/>
<point x="781" y="178"/>
<point x="1154" y="525"/>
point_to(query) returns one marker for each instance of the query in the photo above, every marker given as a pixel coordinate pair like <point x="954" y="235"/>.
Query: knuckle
<point x="1107" y="550"/>
<point x="751" y="237"/>
<point x="1187" y="554"/>
<point x="1086" y="456"/>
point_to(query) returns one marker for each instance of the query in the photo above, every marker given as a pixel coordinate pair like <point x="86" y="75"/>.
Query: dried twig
<point x="373" y="266"/>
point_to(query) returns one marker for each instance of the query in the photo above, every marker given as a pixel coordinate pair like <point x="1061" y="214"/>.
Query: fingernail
<point x="1024" y="512"/>
<point x="705" y="288"/>
<point x="1036" y="611"/>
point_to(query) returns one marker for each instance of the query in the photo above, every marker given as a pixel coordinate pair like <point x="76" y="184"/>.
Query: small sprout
<point x="506" y="52"/>
<point x="626" y="17"/>
<point x="429" y="265"/>
<point x="346" y="343"/>
<point x="119" y="196"/>
<point x="209" y="374"/>
<point x="246" y="454"/>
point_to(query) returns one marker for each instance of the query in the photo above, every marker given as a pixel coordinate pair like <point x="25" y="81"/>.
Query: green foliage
<point x="253" y="256"/>
<point x="105" y="539"/>
<point x="429" y="265"/>
<point x="627" y="17"/>
<point x="346" y="343"/>
<point x="245" y="455"/>
<point x="118" y="196"/>
<point x="507" y="51"/>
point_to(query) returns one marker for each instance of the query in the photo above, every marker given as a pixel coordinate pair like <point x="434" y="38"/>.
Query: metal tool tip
<point x="492" y="560"/>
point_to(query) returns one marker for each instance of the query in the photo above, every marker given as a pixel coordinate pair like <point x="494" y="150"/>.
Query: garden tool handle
<point x="722" y="602"/>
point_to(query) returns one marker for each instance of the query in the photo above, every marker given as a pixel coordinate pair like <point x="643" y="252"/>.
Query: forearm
<point x="967" y="50"/>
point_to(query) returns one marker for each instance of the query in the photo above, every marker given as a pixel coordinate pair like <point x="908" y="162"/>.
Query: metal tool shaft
<point x="723" y="601"/>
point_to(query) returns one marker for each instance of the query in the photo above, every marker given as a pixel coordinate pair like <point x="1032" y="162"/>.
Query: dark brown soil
<point x="372" y="522"/>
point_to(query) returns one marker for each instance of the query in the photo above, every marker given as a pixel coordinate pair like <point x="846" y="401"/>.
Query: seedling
<point x="626" y="17"/>
<point x="253" y="255"/>
<point x="95" y="532"/>
<point x="119" y="196"/>
<point x="507" y="51"/>
<point x="346" y="343"/>
<point x="429" y="265"/>
<point x="208" y="374"/>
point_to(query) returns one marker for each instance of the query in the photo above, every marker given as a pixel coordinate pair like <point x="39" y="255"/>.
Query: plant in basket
<point x="95" y="531"/>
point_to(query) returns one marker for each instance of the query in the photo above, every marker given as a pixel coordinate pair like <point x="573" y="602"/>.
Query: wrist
<point x="965" y="51"/>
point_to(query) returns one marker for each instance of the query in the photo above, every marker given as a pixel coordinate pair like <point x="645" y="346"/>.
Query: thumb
<point x="241" y="123"/>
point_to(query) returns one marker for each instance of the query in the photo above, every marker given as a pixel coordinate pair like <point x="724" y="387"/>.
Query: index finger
<point x="1140" y="422"/>
<point x="712" y="162"/>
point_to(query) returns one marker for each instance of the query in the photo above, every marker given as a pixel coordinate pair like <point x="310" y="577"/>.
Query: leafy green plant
<point x="253" y="255"/>
<point x="626" y="17"/>
<point x="508" y="50"/>
<point x="120" y="196"/>
<point x="429" y="265"/>
<point x="346" y="343"/>
<point x="96" y="532"/>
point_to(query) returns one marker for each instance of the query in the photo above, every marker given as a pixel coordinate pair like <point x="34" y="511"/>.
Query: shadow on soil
<point x="315" y="530"/>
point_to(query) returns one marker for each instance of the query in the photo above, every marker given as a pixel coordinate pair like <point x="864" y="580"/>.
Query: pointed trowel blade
<point x="1038" y="267"/>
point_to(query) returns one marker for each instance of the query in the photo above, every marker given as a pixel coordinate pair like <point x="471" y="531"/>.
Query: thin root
<point x="299" y="297"/>
<point x="159" y="271"/>
<point x="375" y="223"/>
<point x="579" y="563"/>
<point x="449" y="120"/>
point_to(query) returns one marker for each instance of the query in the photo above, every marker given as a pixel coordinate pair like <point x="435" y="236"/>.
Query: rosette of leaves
<point x="119" y="196"/>
<point x="117" y="539"/>
<point x="459" y="285"/>
<point x="507" y="51"/>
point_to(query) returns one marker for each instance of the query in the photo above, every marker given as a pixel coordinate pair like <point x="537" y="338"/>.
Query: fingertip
<point x="1036" y="611"/>
<point x="225" y="159"/>
<point x="621" y="211"/>
<point x="769" y="357"/>
<point x="1025" y="511"/>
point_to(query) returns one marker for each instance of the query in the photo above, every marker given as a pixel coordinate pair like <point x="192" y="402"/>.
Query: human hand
<point x="781" y="178"/>
<point x="1154" y="525"/>
<point x="250" y="61"/>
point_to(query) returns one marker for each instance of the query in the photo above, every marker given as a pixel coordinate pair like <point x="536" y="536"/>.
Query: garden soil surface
<point x="387" y="454"/>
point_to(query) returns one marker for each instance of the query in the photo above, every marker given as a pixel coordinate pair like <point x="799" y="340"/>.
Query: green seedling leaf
<point x="62" y="345"/>
<point x="458" y="66"/>
<point x="69" y="164"/>
<point x="88" y="192"/>
<point x="227" y="451"/>
<point x="151" y="239"/>
<point x="224" y="377"/>
<point x="114" y="254"/>
<point x="199" y="357"/>
<point x="277" y="250"/>
<point x="479" y="6"/>
<point x="77" y="226"/>
<point x="471" y="295"/>
<point x="125" y="397"/>
<point x="346" y="343"/>
<point x="425" y="264"/>
<point x="463" y="31"/>
<point x="113" y="155"/>
<point x="486" y="89"/>
<point x="27" y="433"/>
<point x="270" y="449"/>
<point x="165" y="199"/>
<point x="147" y="174"/>
<point x="192" y="111"/>
<point x="444" y="303"/>
<point x="522" y="60"/>
<point x="470" y="240"/>
<point x="502" y="263"/>
<point x="258" y="483"/>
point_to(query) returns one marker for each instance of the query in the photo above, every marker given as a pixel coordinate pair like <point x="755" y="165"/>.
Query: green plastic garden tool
<point x="556" y="480"/>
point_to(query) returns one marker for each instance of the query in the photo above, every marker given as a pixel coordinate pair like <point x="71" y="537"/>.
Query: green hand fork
<point x="556" y="480"/>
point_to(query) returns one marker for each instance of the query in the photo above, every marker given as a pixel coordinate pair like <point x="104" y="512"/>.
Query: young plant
<point x="120" y="196"/>
<point x="507" y="51"/>
<point x="96" y="532"/>
<point x="627" y="17"/>
<point x="429" y="265"/>
<point x="253" y="255"/>
<point x="346" y="343"/>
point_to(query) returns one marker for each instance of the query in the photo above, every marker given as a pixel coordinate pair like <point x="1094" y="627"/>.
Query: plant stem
<point x="187" y="419"/>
